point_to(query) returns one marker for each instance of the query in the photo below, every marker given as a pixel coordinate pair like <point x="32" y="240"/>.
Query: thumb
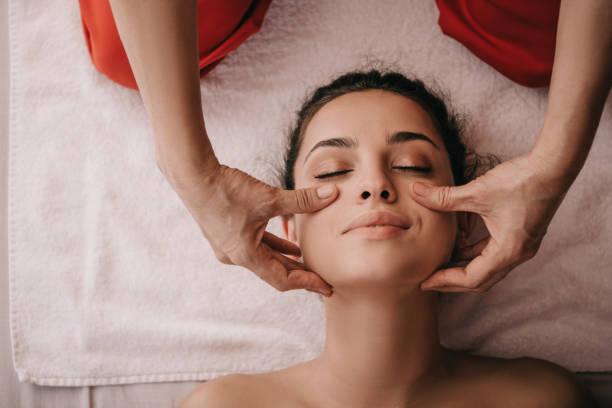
<point x="443" y="198"/>
<point x="305" y="199"/>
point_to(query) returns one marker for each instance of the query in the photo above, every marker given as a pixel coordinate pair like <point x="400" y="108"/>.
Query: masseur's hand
<point x="516" y="200"/>
<point x="233" y="209"/>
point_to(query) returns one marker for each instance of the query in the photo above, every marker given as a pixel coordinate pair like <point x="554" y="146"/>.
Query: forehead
<point x="368" y="116"/>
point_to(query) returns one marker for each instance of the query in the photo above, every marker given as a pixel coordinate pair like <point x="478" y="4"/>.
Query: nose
<point x="384" y="195"/>
<point x="377" y="187"/>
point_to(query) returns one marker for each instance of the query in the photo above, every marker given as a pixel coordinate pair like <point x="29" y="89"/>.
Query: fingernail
<point x="421" y="189"/>
<point x="325" y="191"/>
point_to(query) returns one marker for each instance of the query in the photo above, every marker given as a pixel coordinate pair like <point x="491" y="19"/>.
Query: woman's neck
<point x="382" y="348"/>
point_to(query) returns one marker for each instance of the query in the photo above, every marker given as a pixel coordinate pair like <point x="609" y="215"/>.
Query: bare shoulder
<point x="239" y="391"/>
<point x="229" y="391"/>
<point x="541" y="383"/>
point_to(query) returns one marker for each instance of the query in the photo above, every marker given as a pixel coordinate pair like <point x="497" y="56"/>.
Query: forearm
<point x="161" y="42"/>
<point x="580" y="83"/>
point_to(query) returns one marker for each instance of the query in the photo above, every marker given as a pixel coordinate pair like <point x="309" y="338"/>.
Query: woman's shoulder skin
<point x="220" y="392"/>
<point x="525" y="382"/>
<point x="238" y="391"/>
<point x="542" y="383"/>
<point x="518" y="382"/>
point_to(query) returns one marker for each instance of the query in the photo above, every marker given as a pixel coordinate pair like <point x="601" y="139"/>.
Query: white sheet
<point x="111" y="281"/>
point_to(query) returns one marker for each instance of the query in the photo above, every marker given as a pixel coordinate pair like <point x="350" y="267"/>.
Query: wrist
<point x="184" y="173"/>
<point x="183" y="153"/>
<point x="552" y="170"/>
<point x="563" y="146"/>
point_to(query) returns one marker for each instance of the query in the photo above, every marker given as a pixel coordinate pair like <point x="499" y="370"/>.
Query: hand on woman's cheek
<point x="375" y="141"/>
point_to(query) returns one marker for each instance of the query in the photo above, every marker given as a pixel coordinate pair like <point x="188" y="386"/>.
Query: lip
<point x="379" y="217"/>
<point x="377" y="233"/>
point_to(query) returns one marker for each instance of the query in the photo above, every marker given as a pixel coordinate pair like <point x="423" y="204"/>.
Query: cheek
<point x="440" y="230"/>
<point x="318" y="239"/>
<point x="311" y="228"/>
<point x="340" y="260"/>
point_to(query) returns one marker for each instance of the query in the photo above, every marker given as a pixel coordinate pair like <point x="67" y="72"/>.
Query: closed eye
<point x="402" y="168"/>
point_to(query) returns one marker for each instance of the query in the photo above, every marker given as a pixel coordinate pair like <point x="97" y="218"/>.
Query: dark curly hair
<point x="465" y="163"/>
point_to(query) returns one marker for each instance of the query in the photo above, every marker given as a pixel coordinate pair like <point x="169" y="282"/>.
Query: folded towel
<point x="111" y="280"/>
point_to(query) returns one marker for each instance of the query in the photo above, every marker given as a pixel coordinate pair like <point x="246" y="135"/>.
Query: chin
<point x="359" y="262"/>
<point x="373" y="270"/>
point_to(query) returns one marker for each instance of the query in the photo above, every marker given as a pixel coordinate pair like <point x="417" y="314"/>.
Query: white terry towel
<point x="111" y="280"/>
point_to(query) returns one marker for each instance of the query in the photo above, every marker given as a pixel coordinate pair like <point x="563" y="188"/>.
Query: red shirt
<point x="516" y="37"/>
<point x="223" y="26"/>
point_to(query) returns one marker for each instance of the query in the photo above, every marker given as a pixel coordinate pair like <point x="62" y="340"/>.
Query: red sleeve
<point x="516" y="37"/>
<point x="222" y="26"/>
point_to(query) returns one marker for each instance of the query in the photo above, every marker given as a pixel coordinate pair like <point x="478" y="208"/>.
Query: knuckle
<point x="479" y="187"/>
<point x="478" y="195"/>
<point x="534" y="249"/>
<point x="479" y="190"/>
<point x="444" y="196"/>
<point x="303" y="199"/>
<point x="224" y="260"/>
<point x="473" y="284"/>
<point x="275" y="278"/>
<point x="241" y="256"/>
<point x="268" y="204"/>
<point x="281" y="286"/>
<point x="528" y="249"/>
<point x="528" y="253"/>
<point x="222" y="257"/>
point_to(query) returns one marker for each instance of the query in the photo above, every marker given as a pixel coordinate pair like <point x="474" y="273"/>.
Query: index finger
<point x="281" y="245"/>
<point x="479" y="275"/>
<point x="300" y="277"/>
<point x="284" y="273"/>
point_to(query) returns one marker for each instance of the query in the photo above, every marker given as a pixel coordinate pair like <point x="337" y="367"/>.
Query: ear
<point x="288" y="222"/>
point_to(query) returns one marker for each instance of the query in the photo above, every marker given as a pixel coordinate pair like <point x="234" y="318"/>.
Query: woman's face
<point x="367" y="119"/>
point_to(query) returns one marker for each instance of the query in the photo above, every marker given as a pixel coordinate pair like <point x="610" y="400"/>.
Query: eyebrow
<point x="399" y="137"/>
